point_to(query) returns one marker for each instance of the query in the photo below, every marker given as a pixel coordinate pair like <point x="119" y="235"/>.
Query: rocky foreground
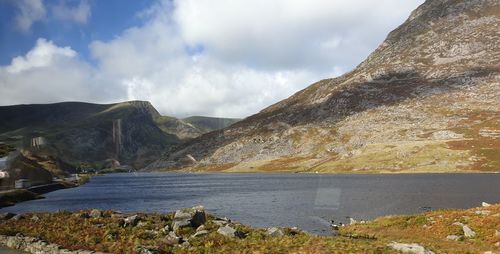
<point x="192" y="230"/>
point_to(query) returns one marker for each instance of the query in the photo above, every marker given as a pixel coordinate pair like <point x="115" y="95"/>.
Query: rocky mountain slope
<point x="131" y="133"/>
<point x="427" y="99"/>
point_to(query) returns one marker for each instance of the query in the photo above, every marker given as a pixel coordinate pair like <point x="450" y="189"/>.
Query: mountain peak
<point x="422" y="101"/>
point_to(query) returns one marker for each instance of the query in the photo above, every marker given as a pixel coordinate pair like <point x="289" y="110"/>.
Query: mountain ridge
<point x="424" y="100"/>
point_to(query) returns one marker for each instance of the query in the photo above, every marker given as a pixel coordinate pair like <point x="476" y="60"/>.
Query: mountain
<point x="193" y="126"/>
<point x="427" y="99"/>
<point x="131" y="133"/>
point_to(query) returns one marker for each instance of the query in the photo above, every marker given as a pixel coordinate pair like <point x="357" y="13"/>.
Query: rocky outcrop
<point x="409" y="248"/>
<point x="35" y="245"/>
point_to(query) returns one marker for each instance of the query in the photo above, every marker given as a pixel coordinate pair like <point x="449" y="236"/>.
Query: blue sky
<point x="188" y="57"/>
<point x="106" y="20"/>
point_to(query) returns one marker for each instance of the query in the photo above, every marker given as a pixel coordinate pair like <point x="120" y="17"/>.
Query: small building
<point x="22" y="184"/>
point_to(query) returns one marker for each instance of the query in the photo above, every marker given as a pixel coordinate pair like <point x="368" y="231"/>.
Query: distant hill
<point x="132" y="133"/>
<point x="426" y="100"/>
<point x="192" y="127"/>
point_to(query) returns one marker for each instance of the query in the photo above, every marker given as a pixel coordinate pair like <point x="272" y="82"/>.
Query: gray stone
<point x="220" y="222"/>
<point x="181" y="215"/>
<point x="409" y="248"/>
<point x="227" y="231"/>
<point x="147" y="250"/>
<point x="131" y="221"/>
<point x="484" y="204"/>
<point x="453" y="237"/>
<point x="468" y="232"/>
<point x="180" y="224"/>
<point x="275" y="232"/>
<point x="200" y="228"/>
<point x="483" y="212"/>
<point x="95" y="213"/>
<point x="200" y="233"/>
<point x="171" y="239"/>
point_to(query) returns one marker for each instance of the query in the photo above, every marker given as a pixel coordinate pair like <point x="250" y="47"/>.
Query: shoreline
<point x="192" y="230"/>
<point x="15" y="196"/>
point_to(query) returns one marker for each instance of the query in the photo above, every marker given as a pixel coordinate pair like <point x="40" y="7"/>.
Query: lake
<point x="308" y="201"/>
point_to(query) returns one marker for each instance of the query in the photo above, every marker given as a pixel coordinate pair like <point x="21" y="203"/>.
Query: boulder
<point x="131" y="221"/>
<point x="193" y="217"/>
<point x="199" y="218"/>
<point x="200" y="228"/>
<point x="171" y="239"/>
<point x="95" y="213"/>
<point x="482" y="212"/>
<point x="275" y="232"/>
<point x="227" y="231"/>
<point x="468" y="232"/>
<point x="409" y="248"/>
<point x="484" y="204"/>
<point x="180" y="224"/>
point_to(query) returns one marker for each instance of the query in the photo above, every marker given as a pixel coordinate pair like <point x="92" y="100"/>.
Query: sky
<point x="226" y="58"/>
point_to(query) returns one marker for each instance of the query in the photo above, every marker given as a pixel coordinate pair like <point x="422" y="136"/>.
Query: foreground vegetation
<point x="107" y="231"/>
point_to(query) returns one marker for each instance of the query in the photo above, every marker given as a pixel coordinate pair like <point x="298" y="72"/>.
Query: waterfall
<point x="117" y="136"/>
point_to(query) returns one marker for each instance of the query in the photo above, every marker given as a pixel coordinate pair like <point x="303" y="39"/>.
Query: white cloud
<point x="43" y="54"/>
<point x="28" y="12"/>
<point x="78" y="14"/>
<point x="48" y="73"/>
<point x="219" y="58"/>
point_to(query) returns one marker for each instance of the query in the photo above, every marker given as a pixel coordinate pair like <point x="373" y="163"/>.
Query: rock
<point x="35" y="218"/>
<point x="409" y="248"/>
<point x="7" y="216"/>
<point x="200" y="233"/>
<point x="199" y="218"/>
<point x="468" y="232"/>
<point x="453" y="237"/>
<point x="489" y="252"/>
<point x="352" y="221"/>
<point x="131" y="221"/>
<point x="181" y="215"/>
<point x="18" y="217"/>
<point x="200" y="228"/>
<point x="171" y="239"/>
<point x="483" y="212"/>
<point x="95" y="213"/>
<point x="227" y="231"/>
<point x="219" y="222"/>
<point x="180" y="224"/>
<point x="147" y="250"/>
<point x="275" y="232"/>
<point x="458" y="224"/>
<point x="484" y="204"/>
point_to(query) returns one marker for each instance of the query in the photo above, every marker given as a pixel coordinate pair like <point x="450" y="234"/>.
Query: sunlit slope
<point x="426" y="100"/>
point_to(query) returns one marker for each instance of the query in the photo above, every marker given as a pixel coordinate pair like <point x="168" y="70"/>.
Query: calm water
<point x="263" y="200"/>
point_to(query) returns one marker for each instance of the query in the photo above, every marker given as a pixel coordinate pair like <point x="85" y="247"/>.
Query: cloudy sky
<point x="227" y="58"/>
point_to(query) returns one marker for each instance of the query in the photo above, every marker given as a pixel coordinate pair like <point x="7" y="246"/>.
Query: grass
<point x="73" y="231"/>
